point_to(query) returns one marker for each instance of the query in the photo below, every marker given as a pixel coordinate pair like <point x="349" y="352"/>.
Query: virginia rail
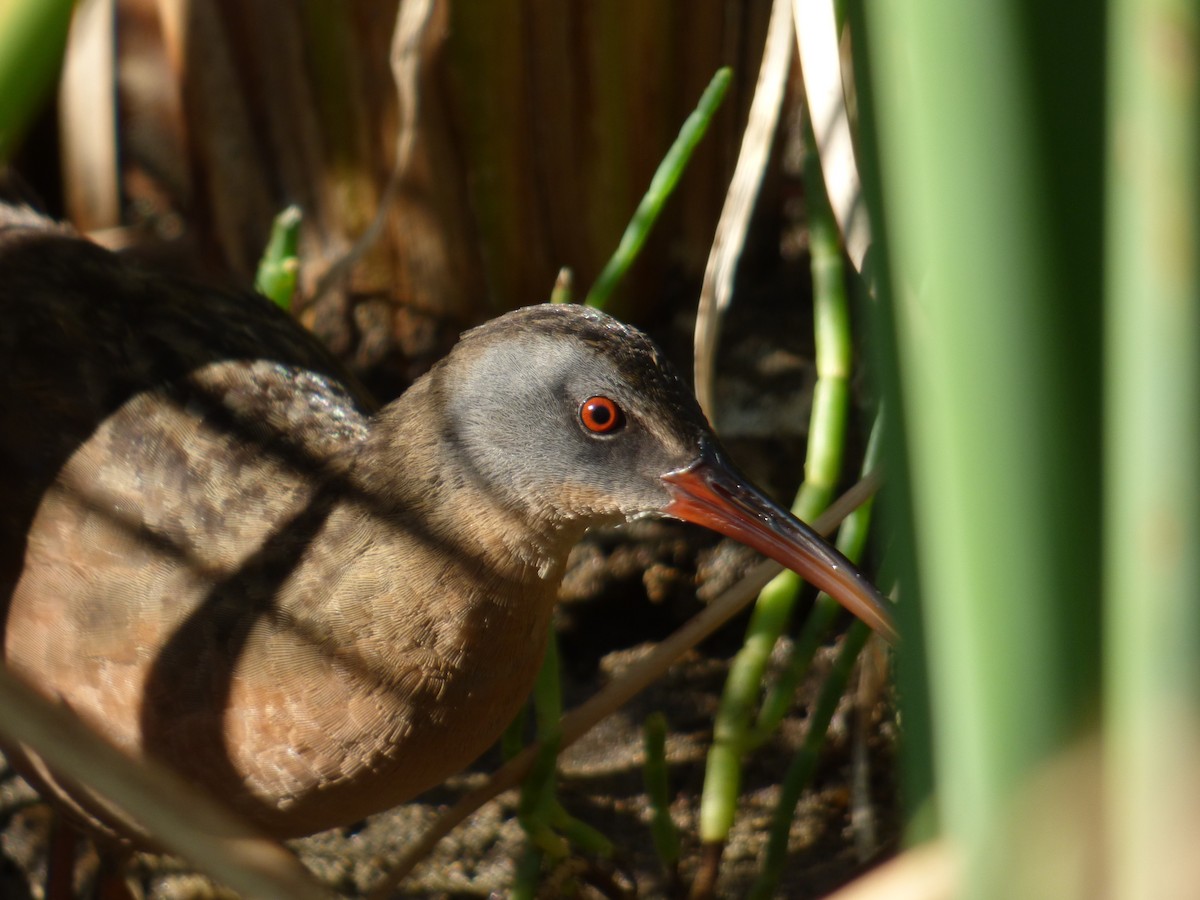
<point x="219" y="553"/>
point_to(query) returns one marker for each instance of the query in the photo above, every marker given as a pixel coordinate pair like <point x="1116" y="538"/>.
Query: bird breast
<point x="306" y="647"/>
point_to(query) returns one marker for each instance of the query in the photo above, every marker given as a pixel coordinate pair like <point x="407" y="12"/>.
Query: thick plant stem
<point x="1152" y="443"/>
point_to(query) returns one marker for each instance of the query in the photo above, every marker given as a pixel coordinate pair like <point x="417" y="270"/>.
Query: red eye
<point x="600" y="415"/>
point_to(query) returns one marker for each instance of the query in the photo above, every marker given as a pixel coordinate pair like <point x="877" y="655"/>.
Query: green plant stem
<point x="537" y="791"/>
<point x="731" y="730"/>
<point x="852" y="540"/>
<point x="801" y="770"/>
<point x="1152" y="442"/>
<point x="280" y="264"/>
<point x="550" y="829"/>
<point x="990" y="187"/>
<point x="654" y="772"/>
<point x="666" y="177"/>
<point x="528" y="875"/>
<point x="917" y="776"/>
<point x="33" y="36"/>
<point x="564" y="287"/>
<point x="579" y="833"/>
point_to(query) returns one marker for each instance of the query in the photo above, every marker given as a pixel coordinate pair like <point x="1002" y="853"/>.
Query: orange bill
<point x="712" y="493"/>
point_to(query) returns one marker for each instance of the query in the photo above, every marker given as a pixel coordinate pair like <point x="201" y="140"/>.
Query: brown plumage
<point x="218" y="553"/>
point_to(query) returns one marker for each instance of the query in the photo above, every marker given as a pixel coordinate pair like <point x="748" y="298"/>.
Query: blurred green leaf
<point x="280" y="265"/>
<point x="33" y="35"/>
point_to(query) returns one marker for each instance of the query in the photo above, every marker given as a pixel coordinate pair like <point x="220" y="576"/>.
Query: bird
<point x="221" y="554"/>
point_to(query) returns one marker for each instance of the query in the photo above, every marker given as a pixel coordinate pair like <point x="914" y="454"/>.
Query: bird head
<point x="581" y="419"/>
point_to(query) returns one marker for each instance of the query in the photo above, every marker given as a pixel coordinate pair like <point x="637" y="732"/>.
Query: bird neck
<point x="419" y="475"/>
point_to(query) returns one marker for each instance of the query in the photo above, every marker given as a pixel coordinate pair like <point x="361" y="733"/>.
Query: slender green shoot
<point x="564" y="286"/>
<point x="852" y="540"/>
<point x="662" y="185"/>
<point x="280" y="264"/>
<point x="550" y="829"/>
<point x="731" y="731"/>
<point x="537" y="792"/>
<point x="580" y="834"/>
<point x="512" y="741"/>
<point x="529" y="870"/>
<point x="800" y="772"/>
<point x="654" y="772"/>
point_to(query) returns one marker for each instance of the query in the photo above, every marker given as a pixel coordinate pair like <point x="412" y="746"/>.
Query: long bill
<point x="712" y="493"/>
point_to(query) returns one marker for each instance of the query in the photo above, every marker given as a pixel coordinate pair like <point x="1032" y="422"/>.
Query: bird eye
<point x="600" y="415"/>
